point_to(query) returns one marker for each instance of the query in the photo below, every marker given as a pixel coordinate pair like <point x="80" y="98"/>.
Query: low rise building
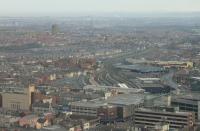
<point x="8" y="121"/>
<point x="40" y="108"/>
<point x="86" y="108"/>
<point x="77" y="123"/>
<point x="28" y="121"/>
<point x="125" y="105"/>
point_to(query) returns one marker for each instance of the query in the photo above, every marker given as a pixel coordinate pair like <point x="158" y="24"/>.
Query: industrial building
<point x="165" y="64"/>
<point x="152" y="85"/>
<point x="141" y="68"/>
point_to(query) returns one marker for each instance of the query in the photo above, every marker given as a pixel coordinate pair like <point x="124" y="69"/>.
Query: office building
<point x="18" y="98"/>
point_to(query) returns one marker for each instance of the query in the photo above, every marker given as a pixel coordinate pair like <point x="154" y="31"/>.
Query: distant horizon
<point x="57" y="7"/>
<point x="110" y="14"/>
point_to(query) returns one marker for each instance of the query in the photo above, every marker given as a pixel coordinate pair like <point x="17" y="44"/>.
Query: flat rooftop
<point x="97" y="87"/>
<point x="164" y="112"/>
<point x="140" y="68"/>
<point x="188" y="96"/>
<point x="124" y="99"/>
<point x="148" y="79"/>
<point x="91" y="104"/>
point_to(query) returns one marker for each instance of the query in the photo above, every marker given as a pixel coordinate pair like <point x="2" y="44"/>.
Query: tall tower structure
<point x="54" y="29"/>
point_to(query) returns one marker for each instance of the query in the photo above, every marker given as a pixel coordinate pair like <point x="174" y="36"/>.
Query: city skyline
<point x="99" y="65"/>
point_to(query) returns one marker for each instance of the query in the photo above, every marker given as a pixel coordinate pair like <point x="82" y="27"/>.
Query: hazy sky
<point x="46" y="7"/>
